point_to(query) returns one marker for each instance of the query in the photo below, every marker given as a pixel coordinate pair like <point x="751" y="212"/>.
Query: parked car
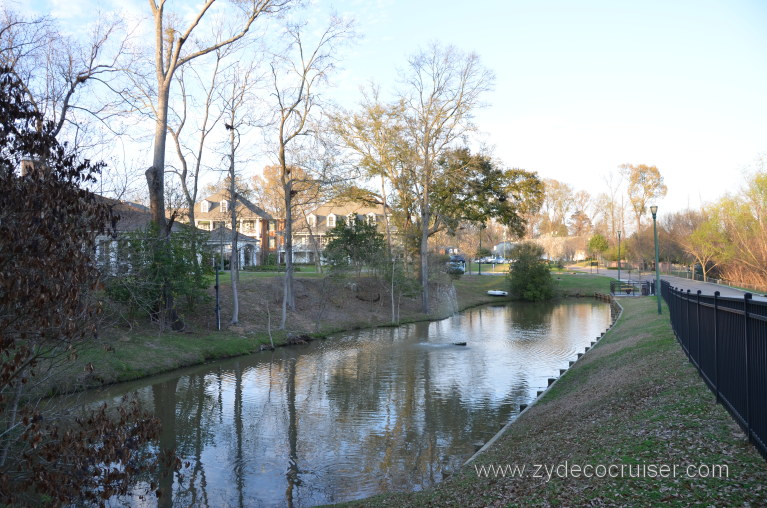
<point x="456" y="264"/>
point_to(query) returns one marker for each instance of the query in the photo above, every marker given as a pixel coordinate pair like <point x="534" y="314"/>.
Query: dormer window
<point x="331" y="220"/>
<point x="311" y="220"/>
<point x="224" y="206"/>
<point x="371" y="217"/>
<point x="205" y="206"/>
<point x="350" y="219"/>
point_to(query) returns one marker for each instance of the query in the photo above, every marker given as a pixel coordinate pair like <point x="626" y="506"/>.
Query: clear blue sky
<point x="584" y="86"/>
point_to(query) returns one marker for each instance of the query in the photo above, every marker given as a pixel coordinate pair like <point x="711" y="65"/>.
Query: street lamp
<point x="654" y="211"/>
<point x="619" y="257"/>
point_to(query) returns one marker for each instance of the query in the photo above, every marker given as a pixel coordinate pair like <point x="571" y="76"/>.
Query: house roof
<point x="132" y="216"/>
<point x="345" y="208"/>
<point x="245" y="208"/>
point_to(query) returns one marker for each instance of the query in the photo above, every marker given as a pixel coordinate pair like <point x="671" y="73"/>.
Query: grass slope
<point x="634" y="399"/>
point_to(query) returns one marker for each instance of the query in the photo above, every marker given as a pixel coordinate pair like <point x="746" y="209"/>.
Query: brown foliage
<point x="48" y="226"/>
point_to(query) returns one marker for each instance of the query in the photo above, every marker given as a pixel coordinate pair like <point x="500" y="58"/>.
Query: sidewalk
<point x="706" y="288"/>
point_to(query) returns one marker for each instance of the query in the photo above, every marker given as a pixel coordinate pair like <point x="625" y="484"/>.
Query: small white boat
<point x="497" y="292"/>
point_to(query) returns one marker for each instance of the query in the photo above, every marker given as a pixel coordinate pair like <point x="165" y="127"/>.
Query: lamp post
<point x="619" y="257"/>
<point x="654" y="211"/>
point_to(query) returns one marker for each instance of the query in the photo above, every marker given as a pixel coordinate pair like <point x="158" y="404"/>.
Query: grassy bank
<point x="124" y="354"/>
<point x="634" y="400"/>
<point x="568" y="284"/>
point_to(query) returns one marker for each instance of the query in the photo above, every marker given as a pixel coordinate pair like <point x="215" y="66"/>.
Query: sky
<point x="581" y="86"/>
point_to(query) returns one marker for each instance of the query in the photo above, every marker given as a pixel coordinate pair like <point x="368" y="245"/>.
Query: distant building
<point x="259" y="232"/>
<point x="111" y="254"/>
<point x="310" y="232"/>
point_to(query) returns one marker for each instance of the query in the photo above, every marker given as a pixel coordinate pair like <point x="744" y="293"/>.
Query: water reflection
<point x="385" y="409"/>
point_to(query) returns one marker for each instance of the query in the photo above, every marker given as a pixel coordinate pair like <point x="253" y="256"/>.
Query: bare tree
<point x="443" y="89"/>
<point x="375" y="136"/>
<point x="558" y="203"/>
<point x="191" y="158"/>
<point x="701" y="234"/>
<point x="614" y="182"/>
<point x="169" y="57"/>
<point x="170" y="54"/>
<point x="61" y="75"/>
<point x="296" y="75"/>
<point x="237" y="97"/>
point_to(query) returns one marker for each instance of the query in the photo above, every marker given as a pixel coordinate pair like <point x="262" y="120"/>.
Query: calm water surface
<point x="362" y="413"/>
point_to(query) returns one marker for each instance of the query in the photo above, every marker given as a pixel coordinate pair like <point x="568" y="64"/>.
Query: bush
<point x="353" y="246"/>
<point x="530" y="275"/>
<point x="144" y="270"/>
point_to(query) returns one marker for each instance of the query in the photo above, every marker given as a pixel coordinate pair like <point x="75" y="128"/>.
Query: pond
<point x="359" y="413"/>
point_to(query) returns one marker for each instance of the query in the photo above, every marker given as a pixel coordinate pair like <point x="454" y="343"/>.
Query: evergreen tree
<point x="530" y="276"/>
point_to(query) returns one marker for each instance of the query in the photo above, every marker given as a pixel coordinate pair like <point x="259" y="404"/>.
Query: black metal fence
<point x="726" y="339"/>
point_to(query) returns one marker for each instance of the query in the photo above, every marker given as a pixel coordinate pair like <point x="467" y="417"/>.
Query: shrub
<point x="144" y="270"/>
<point x="530" y="275"/>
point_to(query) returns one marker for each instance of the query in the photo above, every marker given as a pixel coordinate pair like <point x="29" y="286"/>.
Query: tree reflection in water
<point x="383" y="409"/>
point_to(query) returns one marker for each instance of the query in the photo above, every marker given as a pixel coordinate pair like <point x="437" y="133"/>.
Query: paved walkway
<point x="706" y="288"/>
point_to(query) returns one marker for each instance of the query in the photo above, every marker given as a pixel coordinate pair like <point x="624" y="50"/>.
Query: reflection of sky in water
<point x="381" y="409"/>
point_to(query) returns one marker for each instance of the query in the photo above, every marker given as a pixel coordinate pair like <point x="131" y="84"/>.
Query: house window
<point x="371" y="219"/>
<point x="331" y="221"/>
<point x="351" y="218"/>
<point x="311" y="220"/>
<point x="205" y="206"/>
<point x="224" y="206"/>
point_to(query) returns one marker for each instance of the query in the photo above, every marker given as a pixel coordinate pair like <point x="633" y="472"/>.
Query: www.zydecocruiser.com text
<point x="567" y="470"/>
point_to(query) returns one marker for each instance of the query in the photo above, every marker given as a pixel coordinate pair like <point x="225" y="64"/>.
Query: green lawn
<point x="138" y="354"/>
<point x="309" y="272"/>
<point x="578" y="283"/>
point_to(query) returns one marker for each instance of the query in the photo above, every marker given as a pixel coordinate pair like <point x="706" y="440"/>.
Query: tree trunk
<point x="288" y="298"/>
<point x="234" y="261"/>
<point x="388" y="244"/>
<point x="425" y="261"/>
<point x="155" y="177"/>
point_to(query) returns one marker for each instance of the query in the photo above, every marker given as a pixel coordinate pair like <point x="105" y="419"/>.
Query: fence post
<point x="687" y="327"/>
<point x="746" y="299"/>
<point x="697" y="330"/>
<point x="716" y="346"/>
<point x="673" y="312"/>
